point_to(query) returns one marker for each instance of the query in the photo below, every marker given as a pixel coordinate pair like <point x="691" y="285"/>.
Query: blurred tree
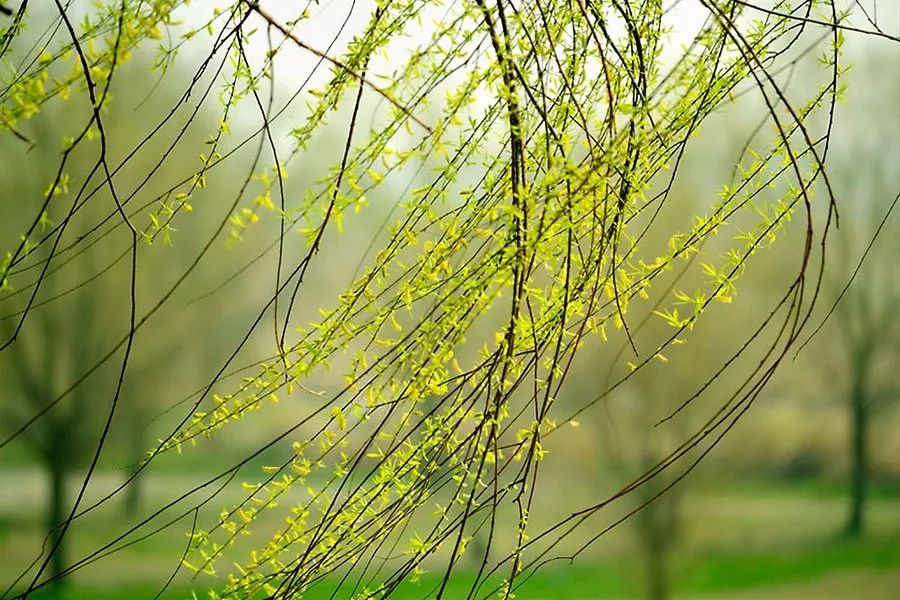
<point x="57" y="370"/>
<point x="862" y="285"/>
<point x="55" y="351"/>
<point x="869" y="338"/>
<point x="54" y="364"/>
<point x="632" y="445"/>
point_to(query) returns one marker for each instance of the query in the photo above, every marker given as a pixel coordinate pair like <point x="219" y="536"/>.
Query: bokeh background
<point x="801" y="500"/>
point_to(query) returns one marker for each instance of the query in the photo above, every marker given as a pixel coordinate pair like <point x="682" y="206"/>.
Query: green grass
<point x="72" y="592"/>
<point x="754" y="537"/>
<point x="734" y="571"/>
<point x="813" y="488"/>
<point x="699" y="576"/>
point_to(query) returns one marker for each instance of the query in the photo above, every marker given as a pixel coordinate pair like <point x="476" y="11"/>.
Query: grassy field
<point x="765" y="541"/>
<point x="842" y="571"/>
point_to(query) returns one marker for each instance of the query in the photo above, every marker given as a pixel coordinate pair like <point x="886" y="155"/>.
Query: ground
<point x="765" y="541"/>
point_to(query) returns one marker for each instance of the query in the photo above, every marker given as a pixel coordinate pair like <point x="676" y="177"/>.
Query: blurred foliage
<point x="404" y="273"/>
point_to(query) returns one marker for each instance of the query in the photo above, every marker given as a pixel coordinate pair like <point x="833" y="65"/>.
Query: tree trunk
<point x="652" y="531"/>
<point x="55" y="517"/>
<point x="134" y="491"/>
<point x="133" y="494"/>
<point x="859" y="474"/>
<point x="657" y="579"/>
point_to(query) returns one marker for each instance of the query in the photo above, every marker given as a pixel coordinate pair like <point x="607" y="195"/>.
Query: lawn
<point x="771" y="542"/>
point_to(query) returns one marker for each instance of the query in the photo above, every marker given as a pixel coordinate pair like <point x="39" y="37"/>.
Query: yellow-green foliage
<point x="551" y="132"/>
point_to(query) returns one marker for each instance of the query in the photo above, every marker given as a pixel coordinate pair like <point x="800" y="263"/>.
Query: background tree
<point x="33" y="379"/>
<point x="869" y="338"/>
<point x="627" y="434"/>
<point x="870" y="343"/>
<point x="55" y="371"/>
<point x="862" y="341"/>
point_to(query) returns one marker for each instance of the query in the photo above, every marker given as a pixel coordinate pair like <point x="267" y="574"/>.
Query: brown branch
<point x="775" y="13"/>
<point x="16" y="132"/>
<point x="334" y="61"/>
